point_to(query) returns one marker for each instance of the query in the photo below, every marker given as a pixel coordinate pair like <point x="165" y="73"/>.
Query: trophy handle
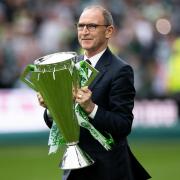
<point x="93" y="74"/>
<point x="29" y="68"/>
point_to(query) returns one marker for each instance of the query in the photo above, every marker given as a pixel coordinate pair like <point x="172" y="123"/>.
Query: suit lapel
<point x="101" y="66"/>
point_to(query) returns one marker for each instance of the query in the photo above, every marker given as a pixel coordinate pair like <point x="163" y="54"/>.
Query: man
<point x="108" y="101"/>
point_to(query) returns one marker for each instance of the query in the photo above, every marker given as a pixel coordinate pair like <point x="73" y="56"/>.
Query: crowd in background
<point x="147" y="35"/>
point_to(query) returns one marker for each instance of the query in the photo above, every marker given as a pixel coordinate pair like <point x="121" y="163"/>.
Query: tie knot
<point x="88" y="61"/>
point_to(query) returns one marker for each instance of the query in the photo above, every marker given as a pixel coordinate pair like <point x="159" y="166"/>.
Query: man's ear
<point x="109" y="31"/>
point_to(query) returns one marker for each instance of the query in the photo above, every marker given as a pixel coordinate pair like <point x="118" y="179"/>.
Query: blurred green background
<point x="147" y="37"/>
<point x="25" y="156"/>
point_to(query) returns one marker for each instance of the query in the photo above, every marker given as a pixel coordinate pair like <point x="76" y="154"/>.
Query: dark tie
<point x="88" y="61"/>
<point x="88" y="71"/>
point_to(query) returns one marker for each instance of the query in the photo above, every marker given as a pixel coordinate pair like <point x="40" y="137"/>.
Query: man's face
<point x="92" y="40"/>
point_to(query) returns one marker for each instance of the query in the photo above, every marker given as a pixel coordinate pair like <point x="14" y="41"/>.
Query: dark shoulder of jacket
<point x="118" y="61"/>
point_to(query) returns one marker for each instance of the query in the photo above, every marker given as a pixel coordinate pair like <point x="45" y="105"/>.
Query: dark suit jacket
<point x="113" y="91"/>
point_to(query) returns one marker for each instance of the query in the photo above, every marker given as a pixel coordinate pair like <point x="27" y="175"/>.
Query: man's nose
<point x="85" y="30"/>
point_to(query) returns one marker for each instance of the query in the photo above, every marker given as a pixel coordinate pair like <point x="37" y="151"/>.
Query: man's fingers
<point x="41" y="100"/>
<point x="85" y="89"/>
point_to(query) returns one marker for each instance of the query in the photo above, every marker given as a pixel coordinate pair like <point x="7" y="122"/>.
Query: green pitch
<point x="28" y="163"/>
<point x="160" y="158"/>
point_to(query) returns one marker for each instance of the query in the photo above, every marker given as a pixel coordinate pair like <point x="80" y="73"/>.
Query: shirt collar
<point x="94" y="59"/>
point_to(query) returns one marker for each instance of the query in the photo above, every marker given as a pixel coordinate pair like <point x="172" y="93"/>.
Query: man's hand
<point x="83" y="98"/>
<point x="41" y="100"/>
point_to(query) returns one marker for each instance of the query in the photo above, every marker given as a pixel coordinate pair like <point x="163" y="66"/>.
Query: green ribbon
<point x="82" y="117"/>
<point x="84" y="122"/>
<point x="55" y="137"/>
<point x="83" y="73"/>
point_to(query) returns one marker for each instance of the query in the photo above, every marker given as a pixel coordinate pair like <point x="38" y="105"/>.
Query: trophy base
<point x="75" y="158"/>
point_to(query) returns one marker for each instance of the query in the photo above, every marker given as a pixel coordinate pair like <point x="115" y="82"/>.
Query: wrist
<point x="90" y="108"/>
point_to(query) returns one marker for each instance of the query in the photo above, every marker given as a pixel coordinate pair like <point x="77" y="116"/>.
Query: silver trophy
<point x="56" y="77"/>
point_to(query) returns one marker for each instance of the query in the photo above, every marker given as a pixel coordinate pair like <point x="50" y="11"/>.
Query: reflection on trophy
<point x="55" y="76"/>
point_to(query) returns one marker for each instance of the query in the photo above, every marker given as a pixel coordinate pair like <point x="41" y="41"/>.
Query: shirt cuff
<point x="93" y="113"/>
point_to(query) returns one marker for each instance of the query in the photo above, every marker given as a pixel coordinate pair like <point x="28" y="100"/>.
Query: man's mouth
<point x="86" y="39"/>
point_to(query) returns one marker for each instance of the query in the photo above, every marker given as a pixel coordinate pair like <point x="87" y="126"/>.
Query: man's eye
<point x="92" y="25"/>
<point x="81" y="25"/>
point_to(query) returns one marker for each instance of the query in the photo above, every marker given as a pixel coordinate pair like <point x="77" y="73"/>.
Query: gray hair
<point x="108" y="19"/>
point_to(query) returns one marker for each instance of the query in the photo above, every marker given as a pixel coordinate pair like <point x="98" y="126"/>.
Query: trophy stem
<point x="75" y="158"/>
